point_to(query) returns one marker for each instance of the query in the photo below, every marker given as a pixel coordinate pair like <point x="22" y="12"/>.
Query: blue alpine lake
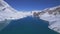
<point x="28" y="25"/>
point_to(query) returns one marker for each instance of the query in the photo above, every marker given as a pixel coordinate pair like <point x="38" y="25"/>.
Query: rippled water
<point x="28" y="25"/>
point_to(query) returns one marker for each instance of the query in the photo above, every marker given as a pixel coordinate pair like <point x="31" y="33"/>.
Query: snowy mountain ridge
<point x="52" y="15"/>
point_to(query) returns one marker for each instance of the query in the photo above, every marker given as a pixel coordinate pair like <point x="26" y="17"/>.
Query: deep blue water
<point x="28" y="25"/>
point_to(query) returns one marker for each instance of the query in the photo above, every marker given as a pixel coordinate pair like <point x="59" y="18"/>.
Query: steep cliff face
<point x="52" y="15"/>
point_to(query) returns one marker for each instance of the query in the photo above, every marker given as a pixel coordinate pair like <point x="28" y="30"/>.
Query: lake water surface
<point x="28" y="25"/>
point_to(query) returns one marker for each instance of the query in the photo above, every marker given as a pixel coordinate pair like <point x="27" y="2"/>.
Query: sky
<point x="29" y="5"/>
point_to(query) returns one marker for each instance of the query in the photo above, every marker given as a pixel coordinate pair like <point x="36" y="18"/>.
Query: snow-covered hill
<point x="52" y="15"/>
<point x="7" y="13"/>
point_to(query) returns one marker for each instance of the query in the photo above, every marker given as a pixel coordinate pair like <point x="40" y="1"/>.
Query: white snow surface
<point x="7" y="14"/>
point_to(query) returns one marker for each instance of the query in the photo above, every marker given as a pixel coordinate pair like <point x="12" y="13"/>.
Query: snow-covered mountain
<point x="7" y="13"/>
<point x="52" y="15"/>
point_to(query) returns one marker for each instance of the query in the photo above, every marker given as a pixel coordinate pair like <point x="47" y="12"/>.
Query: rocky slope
<point x="52" y="15"/>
